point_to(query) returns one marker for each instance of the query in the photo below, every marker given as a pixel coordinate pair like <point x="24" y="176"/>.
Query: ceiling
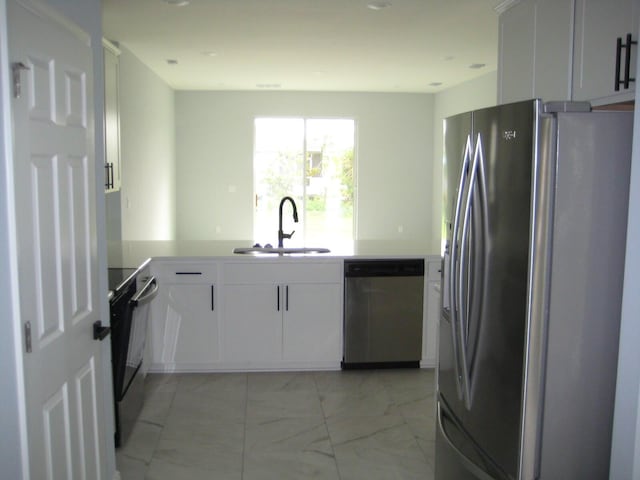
<point x="309" y="45"/>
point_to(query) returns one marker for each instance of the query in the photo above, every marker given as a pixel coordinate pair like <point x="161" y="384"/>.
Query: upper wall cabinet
<point x="602" y="58"/>
<point x="566" y="50"/>
<point x="535" y="50"/>
<point x="112" y="117"/>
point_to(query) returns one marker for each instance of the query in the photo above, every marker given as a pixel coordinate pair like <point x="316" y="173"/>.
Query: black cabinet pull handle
<point x="213" y="305"/>
<point x="100" y="332"/>
<point x="278" y="297"/>
<point x="618" y="55"/>
<point x="188" y="273"/>
<point x="627" y="62"/>
<point x="286" y="290"/>
<point x="108" y="167"/>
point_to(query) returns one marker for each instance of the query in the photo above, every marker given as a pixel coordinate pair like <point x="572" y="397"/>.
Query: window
<point x="310" y="160"/>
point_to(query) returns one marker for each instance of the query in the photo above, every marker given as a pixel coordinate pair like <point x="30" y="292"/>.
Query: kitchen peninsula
<point x="217" y="311"/>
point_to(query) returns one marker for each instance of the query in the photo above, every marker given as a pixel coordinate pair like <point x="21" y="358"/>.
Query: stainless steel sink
<point x="280" y="250"/>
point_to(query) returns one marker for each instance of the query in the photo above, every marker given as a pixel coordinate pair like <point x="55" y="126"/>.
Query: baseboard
<point x="242" y="367"/>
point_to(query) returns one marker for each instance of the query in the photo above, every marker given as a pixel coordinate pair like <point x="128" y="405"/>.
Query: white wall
<point x="147" y="151"/>
<point x="477" y="93"/>
<point x="214" y="150"/>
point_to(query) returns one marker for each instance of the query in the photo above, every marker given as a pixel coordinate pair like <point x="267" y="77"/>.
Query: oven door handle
<point x="142" y="296"/>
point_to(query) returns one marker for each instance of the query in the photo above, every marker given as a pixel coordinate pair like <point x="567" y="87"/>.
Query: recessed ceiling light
<point x="435" y="84"/>
<point x="476" y="66"/>
<point x="177" y="3"/>
<point x="378" y="5"/>
<point x="448" y="58"/>
<point x="210" y="54"/>
<point x="172" y="61"/>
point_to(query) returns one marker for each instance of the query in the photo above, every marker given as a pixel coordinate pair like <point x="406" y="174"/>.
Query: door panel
<point x="496" y="372"/>
<point x="54" y="178"/>
<point x="252" y="323"/>
<point x="312" y="323"/>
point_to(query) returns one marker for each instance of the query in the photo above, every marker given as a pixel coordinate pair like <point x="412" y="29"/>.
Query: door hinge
<point x="27" y="336"/>
<point x="16" y="68"/>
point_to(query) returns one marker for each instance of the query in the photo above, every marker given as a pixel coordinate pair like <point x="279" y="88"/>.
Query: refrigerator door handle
<point x="464" y="294"/>
<point x="453" y="261"/>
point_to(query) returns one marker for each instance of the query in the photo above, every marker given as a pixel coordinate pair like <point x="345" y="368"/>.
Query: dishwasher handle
<point x="384" y="268"/>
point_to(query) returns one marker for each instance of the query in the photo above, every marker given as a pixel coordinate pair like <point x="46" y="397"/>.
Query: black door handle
<point x="100" y="332"/>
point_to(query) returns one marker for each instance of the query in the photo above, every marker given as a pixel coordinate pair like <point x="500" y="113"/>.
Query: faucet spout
<point x="281" y="234"/>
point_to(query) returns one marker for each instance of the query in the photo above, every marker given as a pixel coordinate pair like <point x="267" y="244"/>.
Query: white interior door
<point x="54" y="168"/>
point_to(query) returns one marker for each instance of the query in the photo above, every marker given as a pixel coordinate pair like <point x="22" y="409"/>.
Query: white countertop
<point x="131" y="254"/>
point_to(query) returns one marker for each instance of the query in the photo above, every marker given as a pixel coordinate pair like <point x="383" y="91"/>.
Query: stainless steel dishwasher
<point x="383" y="313"/>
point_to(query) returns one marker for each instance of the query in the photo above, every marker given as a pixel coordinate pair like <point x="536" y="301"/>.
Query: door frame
<point x="13" y="440"/>
<point x="13" y="454"/>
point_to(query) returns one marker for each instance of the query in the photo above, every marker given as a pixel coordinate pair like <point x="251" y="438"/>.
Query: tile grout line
<point x="324" y="419"/>
<point x="162" y="427"/>
<point x="244" y="433"/>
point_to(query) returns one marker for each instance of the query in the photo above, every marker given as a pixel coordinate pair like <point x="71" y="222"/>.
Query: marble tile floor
<point x="343" y="425"/>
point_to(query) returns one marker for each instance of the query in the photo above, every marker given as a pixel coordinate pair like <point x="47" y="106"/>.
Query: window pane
<point x="312" y="161"/>
<point x="278" y="172"/>
<point x="329" y="181"/>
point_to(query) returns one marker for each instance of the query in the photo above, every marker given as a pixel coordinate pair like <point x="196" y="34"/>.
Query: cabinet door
<point x="598" y="24"/>
<point x="312" y="323"/>
<point x="536" y="45"/>
<point x="111" y="118"/>
<point x="252" y="323"/>
<point x="516" y="51"/>
<point x="553" y="49"/>
<point x="185" y="330"/>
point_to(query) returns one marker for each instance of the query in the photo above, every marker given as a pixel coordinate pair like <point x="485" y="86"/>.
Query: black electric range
<point x="128" y="333"/>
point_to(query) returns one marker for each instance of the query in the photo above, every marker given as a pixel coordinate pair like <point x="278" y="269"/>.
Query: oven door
<point x="139" y="308"/>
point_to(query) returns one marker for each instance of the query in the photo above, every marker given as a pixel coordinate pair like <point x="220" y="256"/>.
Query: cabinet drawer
<point x="185" y="272"/>
<point x="298" y="272"/>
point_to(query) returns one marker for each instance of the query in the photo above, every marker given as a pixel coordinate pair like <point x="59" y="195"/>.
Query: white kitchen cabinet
<point x="111" y="117"/>
<point x="282" y="315"/>
<point x="598" y="25"/>
<point x="252" y="324"/>
<point x="431" y="314"/>
<point x="516" y="41"/>
<point x="184" y="331"/>
<point x="312" y="323"/>
<point x="536" y="51"/>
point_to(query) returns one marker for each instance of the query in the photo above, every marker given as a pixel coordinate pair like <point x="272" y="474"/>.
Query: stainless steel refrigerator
<point x="535" y="216"/>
